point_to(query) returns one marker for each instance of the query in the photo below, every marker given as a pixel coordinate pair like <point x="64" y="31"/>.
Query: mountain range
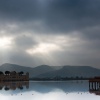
<point x="45" y="71"/>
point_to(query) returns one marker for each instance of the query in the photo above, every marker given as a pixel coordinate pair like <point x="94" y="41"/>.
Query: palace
<point x="94" y="85"/>
<point x="13" y="76"/>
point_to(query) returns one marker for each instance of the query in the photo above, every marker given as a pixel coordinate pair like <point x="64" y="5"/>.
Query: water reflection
<point x="50" y="90"/>
<point x="46" y="87"/>
<point x="13" y="85"/>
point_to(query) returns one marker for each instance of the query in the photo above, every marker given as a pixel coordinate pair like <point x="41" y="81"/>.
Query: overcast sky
<point x="51" y="32"/>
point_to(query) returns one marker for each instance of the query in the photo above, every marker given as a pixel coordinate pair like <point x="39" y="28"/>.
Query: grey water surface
<point x="48" y="90"/>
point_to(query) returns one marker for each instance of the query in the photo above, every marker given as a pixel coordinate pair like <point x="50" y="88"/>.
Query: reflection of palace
<point x="13" y="76"/>
<point x="14" y="85"/>
<point x="94" y="85"/>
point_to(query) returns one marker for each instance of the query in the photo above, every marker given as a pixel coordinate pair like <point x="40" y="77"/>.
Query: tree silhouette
<point x="7" y="72"/>
<point x="1" y="73"/>
<point x="20" y="73"/>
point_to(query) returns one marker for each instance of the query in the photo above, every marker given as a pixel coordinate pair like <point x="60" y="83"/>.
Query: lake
<point x="66" y="90"/>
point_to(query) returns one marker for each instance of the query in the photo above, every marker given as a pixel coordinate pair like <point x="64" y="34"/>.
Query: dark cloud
<point x="21" y="9"/>
<point x="30" y="22"/>
<point x="24" y="42"/>
<point x="57" y="16"/>
<point x="92" y="33"/>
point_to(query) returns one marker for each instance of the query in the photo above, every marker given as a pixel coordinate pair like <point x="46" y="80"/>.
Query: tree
<point x="20" y="73"/>
<point x="1" y="73"/>
<point x="7" y="72"/>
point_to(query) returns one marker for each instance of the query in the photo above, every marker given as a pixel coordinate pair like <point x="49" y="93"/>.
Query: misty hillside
<point x="32" y="71"/>
<point x="44" y="71"/>
<point x="73" y="71"/>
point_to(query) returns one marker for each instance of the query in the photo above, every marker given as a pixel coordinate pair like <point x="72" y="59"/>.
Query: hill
<point x="72" y="71"/>
<point x="45" y="71"/>
<point x="32" y="71"/>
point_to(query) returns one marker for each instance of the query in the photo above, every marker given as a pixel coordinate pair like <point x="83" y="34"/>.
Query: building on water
<point x="94" y="85"/>
<point x="14" y="76"/>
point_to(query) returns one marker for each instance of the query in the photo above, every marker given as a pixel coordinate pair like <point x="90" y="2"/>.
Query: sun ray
<point x="43" y="48"/>
<point x="5" y="42"/>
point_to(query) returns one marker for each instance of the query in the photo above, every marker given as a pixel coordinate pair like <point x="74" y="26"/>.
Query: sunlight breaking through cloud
<point x="44" y="48"/>
<point x="5" y="42"/>
<point x="37" y="31"/>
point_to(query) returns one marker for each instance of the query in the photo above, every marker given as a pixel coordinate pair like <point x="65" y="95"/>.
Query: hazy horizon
<point x="52" y="66"/>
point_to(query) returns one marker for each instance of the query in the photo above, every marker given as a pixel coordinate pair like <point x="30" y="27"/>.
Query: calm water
<point x="69" y="90"/>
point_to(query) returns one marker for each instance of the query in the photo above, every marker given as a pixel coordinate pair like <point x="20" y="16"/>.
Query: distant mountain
<point x="32" y="71"/>
<point x="72" y="71"/>
<point x="45" y="71"/>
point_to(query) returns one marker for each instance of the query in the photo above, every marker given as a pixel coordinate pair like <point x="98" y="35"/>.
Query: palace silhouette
<point x="94" y="85"/>
<point x="14" y="76"/>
